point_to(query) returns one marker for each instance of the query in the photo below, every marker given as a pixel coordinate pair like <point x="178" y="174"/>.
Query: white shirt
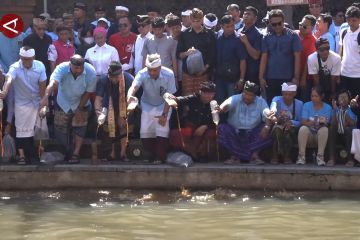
<point x="331" y="66"/>
<point x="351" y="54"/>
<point x="100" y="57"/>
<point x="136" y="59"/>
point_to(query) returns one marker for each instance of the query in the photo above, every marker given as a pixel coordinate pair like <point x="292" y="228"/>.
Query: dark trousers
<point x="27" y="144"/>
<point x="344" y="139"/>
<point x="352" y="84"/>
<point x="157" y="147"/>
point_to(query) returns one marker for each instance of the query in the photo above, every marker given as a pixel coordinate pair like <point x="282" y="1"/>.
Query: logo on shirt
<point x="11" y="25"/>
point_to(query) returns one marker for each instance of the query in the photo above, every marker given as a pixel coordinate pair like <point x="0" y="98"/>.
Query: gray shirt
<point x="165" y="46"/>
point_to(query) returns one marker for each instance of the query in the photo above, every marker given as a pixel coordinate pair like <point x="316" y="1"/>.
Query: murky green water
<point x="219" y="214"/>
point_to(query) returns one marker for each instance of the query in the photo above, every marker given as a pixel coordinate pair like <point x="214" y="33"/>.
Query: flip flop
<point x="22" y="161"/>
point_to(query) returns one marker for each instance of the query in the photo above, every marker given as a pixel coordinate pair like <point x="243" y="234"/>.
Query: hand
<point x="162" y="120"/>
<point x="42" y="112"/>
<point x="3" y="94"/>
<point x="355" y="102"/>
<point x="190" y="51"/>
<point x="7" y="130"/>
<point x="170" y="100"/>
<point x="239" y="85"/>
<point x="79" y="116"/>
<point x="243" y="38"/>
<point x="288" y="125"/>
<point x="322" y="120"/>
<point x="263" y="84"/>
<point x="44" y="102"/>
<point x="295" y="81"/>
<point x="265" y="131"/>
<point x="302" y="84"/>
<point x="132" y="102"/>
<point x="334" y="104"/>
<point x="101" y="119"/>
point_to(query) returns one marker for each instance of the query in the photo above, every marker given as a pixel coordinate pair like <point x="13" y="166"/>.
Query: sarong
<point x="191" y="83"/>
<point x="244" y="143"/>
<point x="25" y="119"/>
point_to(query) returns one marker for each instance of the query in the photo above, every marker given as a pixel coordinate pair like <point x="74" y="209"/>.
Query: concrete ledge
<point x="199" y="176"/>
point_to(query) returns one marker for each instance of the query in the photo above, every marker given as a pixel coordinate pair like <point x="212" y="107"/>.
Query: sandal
<point x="75" y="159"/>
<point x="330" y="163"/>
<point x="22" y="161"/>
<point x="232" y="160"/>
<point x="350" y="163"/>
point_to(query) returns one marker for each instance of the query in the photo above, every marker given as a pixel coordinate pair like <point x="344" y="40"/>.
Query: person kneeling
<point x="245" y="132"/>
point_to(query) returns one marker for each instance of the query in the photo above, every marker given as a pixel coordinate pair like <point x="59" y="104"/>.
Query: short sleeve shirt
<point x="153" y="90"/>
<point x="309" y="112"/>
<point x="26" y="82"/>
<point x="332" y="65"/>
<point x="70" y="90"/>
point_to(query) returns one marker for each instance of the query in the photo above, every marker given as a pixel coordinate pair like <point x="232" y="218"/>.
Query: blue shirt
<point x="243" y="116"/>
<point x="26" y="82"/>
<point x="255" y="37"/>
<point x="281" y="49"/>
<point x="70" y="90"/>
<point x="153" y="90"/>
<point x="230" y="50"/>
<point x="9" y="50"/>
<point x="331" y="39"/>
<point x="309" y="112"/>
<point x="278" y="105"/>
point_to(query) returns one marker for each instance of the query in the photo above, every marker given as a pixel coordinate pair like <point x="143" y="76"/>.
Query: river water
<point x="147" y="214"/>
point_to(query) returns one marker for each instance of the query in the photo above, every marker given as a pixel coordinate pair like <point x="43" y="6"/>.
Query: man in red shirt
<point x="124" y="41"/>
<point x="308" y="41"/>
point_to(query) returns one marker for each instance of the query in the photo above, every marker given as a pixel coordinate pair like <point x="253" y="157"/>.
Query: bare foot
<point x="330" y="163"/>
<point x="232" y="160"/>
<point x="350" y="163"/>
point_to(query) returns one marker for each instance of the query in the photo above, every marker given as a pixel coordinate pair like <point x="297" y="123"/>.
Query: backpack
<point x="342" y="38"/>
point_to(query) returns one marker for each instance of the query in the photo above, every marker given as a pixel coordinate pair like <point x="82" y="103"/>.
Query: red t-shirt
<point x="308" y="45"/>
<point x="123" y="45"/>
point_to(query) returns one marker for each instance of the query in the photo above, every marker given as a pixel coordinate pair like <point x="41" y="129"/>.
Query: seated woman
<point x="343" y="122"/>
<point x="199" y="120"/>
<point x="315" y="119"/>
<point x="285" y="115"/>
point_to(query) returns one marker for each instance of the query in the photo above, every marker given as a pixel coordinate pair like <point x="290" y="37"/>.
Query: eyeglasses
<point x="124" y="25"/>
<point x="274" y="24"/>
<point x="302" y="25"/>
<point x="323" y="49"/>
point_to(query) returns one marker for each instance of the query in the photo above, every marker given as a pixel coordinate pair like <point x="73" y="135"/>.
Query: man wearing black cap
<point x="110" y="105"/>
<point x="199" y="120"/>
<point x="75" y="81"/>
<point x="99" y="12"/>
<point x="81" y="22"/>
<point x="153" y="12"/>
<point x="245" y="132"/>
<point x="162" y="44"/>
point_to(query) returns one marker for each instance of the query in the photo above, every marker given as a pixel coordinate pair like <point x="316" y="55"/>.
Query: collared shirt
<point x="100" y="57"/>
<point x="245" y="116"/>
<point x="308" y="45"/>
<point x="254" y="36"/>
<point x="292" y="112"/>
<point x="165" y="47"/>
<point x="60" y="52"/>
<point x="350" y="66"/>
<point x="239" y="24"/>
<point x="204" y="41"/>
<point x="281" y="49"/>
<point x="230" y="50"/>
<point x="9" y="50"/>
<point x="70" y="90"/>
<point x="124" y="46"/>
<point x="199" y="113"/>
<point x="26" y="82"/>
<point x="153" y="90"/>
<point x="136" y="56"/>
<point x="41" y="46"/>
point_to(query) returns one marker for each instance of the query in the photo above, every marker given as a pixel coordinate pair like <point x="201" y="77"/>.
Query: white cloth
<point x="121" y="8"/>
<point x="355" y="146"/>
<point x="150" y="127"/>
<point x="100" y="57"/>
<point x="136" y="56"/>
<point x="332" y="65"/>
<point x="351" y="54"/>
<point x="25" y="119"/>
<point x="27" y="53"/>
<point x="154" y="64"/>
<point x="288" y="88"/>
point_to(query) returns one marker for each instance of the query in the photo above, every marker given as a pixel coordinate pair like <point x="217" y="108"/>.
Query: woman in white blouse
<point x="101" y="54"/>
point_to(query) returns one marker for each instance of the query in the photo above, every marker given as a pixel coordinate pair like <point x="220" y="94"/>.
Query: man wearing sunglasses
<point x="280" y="58"/>
<point x="124" y="41"/>
<point x="308" y="41"/>
<point x="324" y="66"/>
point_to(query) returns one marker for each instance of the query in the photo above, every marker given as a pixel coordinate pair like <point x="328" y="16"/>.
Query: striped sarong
<point x="244" y="143"/>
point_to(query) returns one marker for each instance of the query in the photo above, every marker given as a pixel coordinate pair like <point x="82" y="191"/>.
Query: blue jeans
<point x="224" y="90"/>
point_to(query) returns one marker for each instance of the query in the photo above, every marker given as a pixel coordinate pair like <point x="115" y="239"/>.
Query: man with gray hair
<point x="156" y="81"/>
<point x="28" y="78"/>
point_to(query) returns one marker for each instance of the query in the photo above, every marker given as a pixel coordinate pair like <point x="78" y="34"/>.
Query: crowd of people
<point x="194" y="81"/>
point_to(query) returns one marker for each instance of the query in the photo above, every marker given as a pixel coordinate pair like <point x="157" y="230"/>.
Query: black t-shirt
<point x="41" y="47"/>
